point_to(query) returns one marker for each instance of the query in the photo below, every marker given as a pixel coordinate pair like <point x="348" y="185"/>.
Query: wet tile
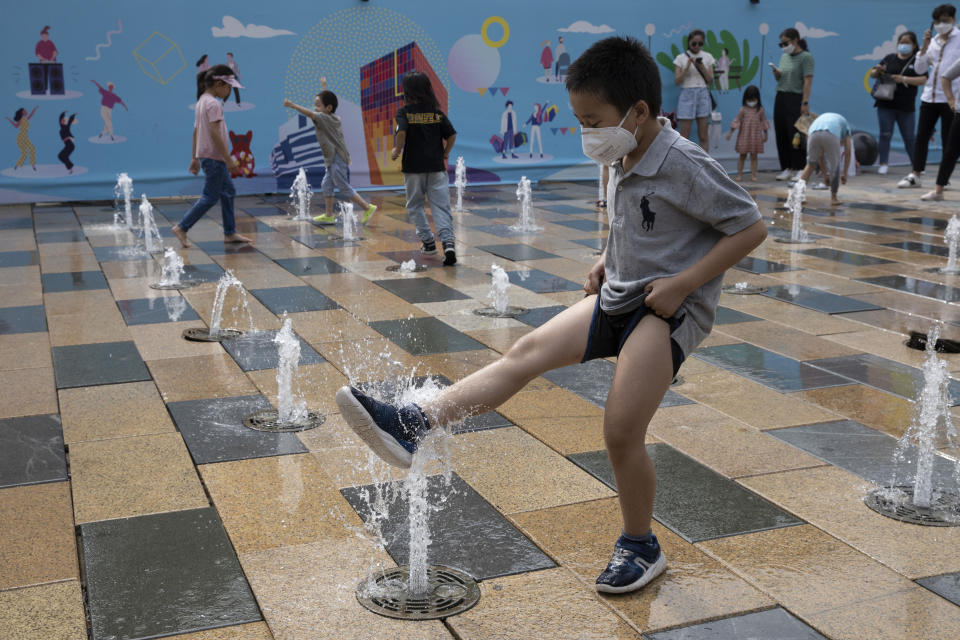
<point x="32" y="450"/>
<point x="757" y="265"/>
<point x="422" y="336"/>
<point x="846" y="257"/>
<point x="907" y="615"/>
<point x="278" y="501"/>
<point x="536" y="402"/>
<point x="468" y="533"/>
<point x="202" y="272"/>
<point x="125" y="253"/>
<point x="220" y="248"/>
<point x="8" y="224"/>
<point x="44" y="612"/>
<point x="198" y="377"/>
<point x="935" y="223"/>
<point x="256" y="351"/>
<point x="335" y="325"/>
<point x="871" y="407"/>
<point x="788" y="342"/>
<point x="921" y="247"/>
<point x="946" y="586"/>
<point x="594" y="243"/>
<point x="873" y="206"/>
<point x="540" y="315"/>
<point x="694" y="501"/>
<point x="27" y="392"/>
<point x="39" y="543"/>
<point x="22" y="320"/>
<point x="541" y="281"/>
<point x="255" y="631"/>
<point x="777" y="233"/>
<point x="881" y="373"/>
<point x="310" y="266"/>
<point x="294" y="299"/>
<point x="516" y="252"/>
<point x="416" y="290"/>
<point x="567" y="435"/>
<point x="214" y="431"/>
<point x="584" y="225"/>
<point x="25" y="351"/>
<point x="112" y="411"/>
<point x="807" y="320"/>
<point x="861" y="226"/>
<point x="153" y="310"/>
<point x="916" y="287"/>
<point x="93" y="364"/>
<point x="816" y="299"/>
<point x="773" y="623"/>
<point x="768" y="368"/>
<point x="19" y="258"/>
<point x="591" y="381"/>
<point x="726" y="315"/>
<point x="73" y="281"/>
<point x="182" y="559"/>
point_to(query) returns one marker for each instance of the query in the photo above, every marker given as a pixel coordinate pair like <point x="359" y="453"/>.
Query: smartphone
<point x="772" y="65"/>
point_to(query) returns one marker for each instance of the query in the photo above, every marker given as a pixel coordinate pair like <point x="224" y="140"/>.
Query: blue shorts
<point x="336" y="176"/>
<point x="694" y="103"/>
<point x="608" y="333"/>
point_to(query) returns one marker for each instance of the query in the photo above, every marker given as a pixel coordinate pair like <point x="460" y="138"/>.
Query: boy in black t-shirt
<point x="425" y="137"/>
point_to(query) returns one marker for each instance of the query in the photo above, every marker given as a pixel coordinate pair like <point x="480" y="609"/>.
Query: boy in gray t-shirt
<point x="677" y="222"/>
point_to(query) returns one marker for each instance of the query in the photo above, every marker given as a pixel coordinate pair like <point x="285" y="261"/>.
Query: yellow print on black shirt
<point x="424" y="118"/>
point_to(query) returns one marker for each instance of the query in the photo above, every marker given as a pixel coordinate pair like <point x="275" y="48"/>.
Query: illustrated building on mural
<point x="381" y="95"/>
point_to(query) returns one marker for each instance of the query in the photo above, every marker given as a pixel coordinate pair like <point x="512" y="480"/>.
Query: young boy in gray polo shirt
<point x="677" y="222"/>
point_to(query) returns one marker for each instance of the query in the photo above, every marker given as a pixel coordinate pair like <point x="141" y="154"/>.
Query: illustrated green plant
<point x="738" y="56"/>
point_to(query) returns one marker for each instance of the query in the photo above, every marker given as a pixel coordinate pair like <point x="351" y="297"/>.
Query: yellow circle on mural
<point x="486" y="25"/>
<point x="866" y="81"/>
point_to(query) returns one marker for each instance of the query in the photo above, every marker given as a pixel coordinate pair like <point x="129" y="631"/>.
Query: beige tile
<point x="278" y="501"/>
<point x="550" y="402"/>
<point x="912" y="614"/>
<point x="113" y="411"/>
<point x="332" y="434"/>
<point x="694" y="588"/>
<point x="27" y="392"/>
<point x="567" y="435"/>
<point x="832" y="499"/>
<point x="138" y="288"/>
<point x="55" y="249"/>
<point x="255" y="631"/>
<point x="306" y="588"/>
<point x="516" y="472"/>
<point x="315" y="383"/>
<point x="164" y="340"/>
<point x="103" y="325"/>
<point x="25" y="351"/>
<point x="216" y="376"/>
<point x="133" y="476"/>
<point x="541" y="604"/>
<point x="20" y="295"/>
<point x="355" y="466"/>
<point x="56" y="263"/>
<point x="39" y="543"/>
<point x="826" y="282"/>
<point x="787" y="341"/>
<point x="46" y="612"/>
<point x="335" y="325"/>
<point x="236" y="314"/>
<point x="378" y="305"/>
<point x="457" y="364"/>
<point x="77" y="303"/>
<point x="341" y="284"/>
<point x="869" y="406"/>
<point x="20" y="276"/>
<point x="791" y="315"/>
<point x="267" y="276"/>
<point x="890" y="345"/>
<point x="374" y="359"/>
<point x="499" y="339"/>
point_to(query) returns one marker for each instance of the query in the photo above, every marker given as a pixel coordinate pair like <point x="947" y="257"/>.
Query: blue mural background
<point x="484" y="54"/>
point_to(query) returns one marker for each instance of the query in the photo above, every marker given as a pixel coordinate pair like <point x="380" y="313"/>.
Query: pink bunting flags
<point x="504" y="90"/>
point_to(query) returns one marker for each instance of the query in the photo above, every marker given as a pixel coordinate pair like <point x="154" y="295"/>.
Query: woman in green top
<point x="794" y="78"/>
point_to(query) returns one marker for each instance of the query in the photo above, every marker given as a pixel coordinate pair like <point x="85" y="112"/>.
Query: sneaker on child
<point x="633" y="565"/>
<point x="428" y="248"/>
<point x="910" y="180"/>
<point x="449" y="254"/>
<point x="325" y="219"/>
<point x="390" y="433"/>
<point x="372" y="209"/>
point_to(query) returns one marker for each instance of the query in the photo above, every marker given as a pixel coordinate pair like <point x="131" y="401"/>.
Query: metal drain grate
<point x="744" y="291"/>
<point x="416" y="269"/>
<point x="202" y="334"/>
<point x="269" y="420"/>
<point x="945" y="511"/>
<point x="173" y="287"/>
<point x="490" y="312"/>
<point x="449" y="592"/>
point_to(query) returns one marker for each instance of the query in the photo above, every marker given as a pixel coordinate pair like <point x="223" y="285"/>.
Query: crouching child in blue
<point x="677" y="222"/>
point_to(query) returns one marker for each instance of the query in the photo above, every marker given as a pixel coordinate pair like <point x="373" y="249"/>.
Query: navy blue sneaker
<point x="632" y="566"/>
<point x="390" y="433"/>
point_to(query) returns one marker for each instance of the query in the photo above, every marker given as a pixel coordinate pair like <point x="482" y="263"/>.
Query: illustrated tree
<point x="738" y="56"/>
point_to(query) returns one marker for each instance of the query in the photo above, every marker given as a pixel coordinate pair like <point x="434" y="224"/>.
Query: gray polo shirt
<point x="666" y="213"/>
<point x="329" y="130"/>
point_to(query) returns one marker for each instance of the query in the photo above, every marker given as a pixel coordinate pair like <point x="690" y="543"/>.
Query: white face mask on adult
<point x="606" y="145"/>
<point x="943" y="28"/>
<point x="789" y="49"/>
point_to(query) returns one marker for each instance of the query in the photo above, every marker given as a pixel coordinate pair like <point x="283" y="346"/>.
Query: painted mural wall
<point x="91" y="89"/>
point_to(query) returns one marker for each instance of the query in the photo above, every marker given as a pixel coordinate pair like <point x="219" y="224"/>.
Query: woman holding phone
<point x="693" y="72"/>
<point x="794" y="80"/>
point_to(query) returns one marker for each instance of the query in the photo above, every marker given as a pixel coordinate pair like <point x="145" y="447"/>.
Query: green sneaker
<point x="325" y="219"/>
<point x="372" y="209"/>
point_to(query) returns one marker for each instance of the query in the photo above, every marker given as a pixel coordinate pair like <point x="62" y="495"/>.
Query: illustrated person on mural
<point x="108" y="99"/>
<point x="693" y="72"/>
<point x="794" y="81"/>
<point x="21" y="122"/>
<point x="45" y="50"/>
<point x="68" y="142"/>
<point x="900" y="69"/>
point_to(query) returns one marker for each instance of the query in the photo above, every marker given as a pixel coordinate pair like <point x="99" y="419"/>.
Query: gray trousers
<point x="824" y="142"/>
<point x="435" y="187"/>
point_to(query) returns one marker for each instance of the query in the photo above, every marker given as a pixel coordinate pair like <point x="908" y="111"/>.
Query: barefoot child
<point x="336" y="158"/>
<point x="677" y="223"/>
<point x="751" y="124"/>
<point x="825" y="137"/>
<point x="210" y="153"/>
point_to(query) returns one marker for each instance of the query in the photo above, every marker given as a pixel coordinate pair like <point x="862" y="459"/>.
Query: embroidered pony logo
<point x="648" y="215"/>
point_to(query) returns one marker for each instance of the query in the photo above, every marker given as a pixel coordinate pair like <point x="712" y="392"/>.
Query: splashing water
<point x="349" y="222"/>
<point x="524" y="195"/>
<point x="152" y="241"/>
<point x="952" y="238"/>
<point x="123" y="191"/>
<point x="601" y="193"/>
<point x="172" y="268"/>
<point x="175" y="306"/>
<point x="300" y="195"/>
<point x="408" y="266"/>
<point x="227" y="281"/>
<point x="795" y="204"/>
<point x="460" y="182"/>
<point x="498" y="288"/>
<point x="741" y="286"/>
<point x="290" y="410"/>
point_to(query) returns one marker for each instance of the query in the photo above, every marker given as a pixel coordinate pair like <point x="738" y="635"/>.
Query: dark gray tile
<point x="214" y="432"/>
<point x="920" y="247"/>
<point x="154" y="310"/>
<point x="862" y="226"/>
<point x="421" y="289"/>
<point x="219" y="247"/>
<point x="129" y="253"/>
<point x="31" y="450"/>
<point x="87" y="365"/>
<point x="323" y="241"/>
<point x="163" y="574"/>
<point x="19" y="258"/>
<point x="772" y="624"/>
<point x="693" y="500"/>
<point x="423" y="336"/>
<point x="317" y="265"/>
<point x="294" y="299"/>
<point x="517" y="252"/>
<point x="210" y="272"/>
<point x="810" y="298"/>
<point x="73" y="235"/>
<point x="73" y="281"/>
<point x="915" y="286"/>
<point x="412" y="254"/>
<point x="846" y="257"/>
<point x="756" y="265"/>
<point x="257" y="351"/>
<point x="880" y="373"/>
<point x="946" y="585"/>
<point x="726" y="315"/>
<point x="540" y="315"/>
<point x="16" y="223"/>
<point x="30" y="319"/>
<point x="467" y="532"/>
<point x="252" y="225"/>
<point x="873" y="206"/>
<point x="935" y="223"/>
<point x="264" y="211"/>
<point x="493" y="213"/>
<point x="768" y="368"/>
<point x="567" y="208"/>
<point x="784" y="234"/>
<point x="500" y="230"/>
<point x="584" y="225"/>
<point x="541" y="281"/>
<point x="594" y="243"/>
<point x="591" y="381"/>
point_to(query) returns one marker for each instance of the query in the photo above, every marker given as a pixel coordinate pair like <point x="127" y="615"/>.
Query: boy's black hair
<point x="752" y="93"/>
<point x="944" y="10"/>
<point x="619" y="71"/>
<point x="417" y="89"/>
<point x="328" y="99"/>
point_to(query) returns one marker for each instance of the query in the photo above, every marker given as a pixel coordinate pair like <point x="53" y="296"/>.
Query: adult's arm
<point x="807" y="84"/>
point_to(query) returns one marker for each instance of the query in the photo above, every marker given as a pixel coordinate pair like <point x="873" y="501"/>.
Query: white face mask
<point x="943" y="28"/>
<point x="751" y="103"/>
<point x="788" y="49"/>
<point x="606" y="145"/>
